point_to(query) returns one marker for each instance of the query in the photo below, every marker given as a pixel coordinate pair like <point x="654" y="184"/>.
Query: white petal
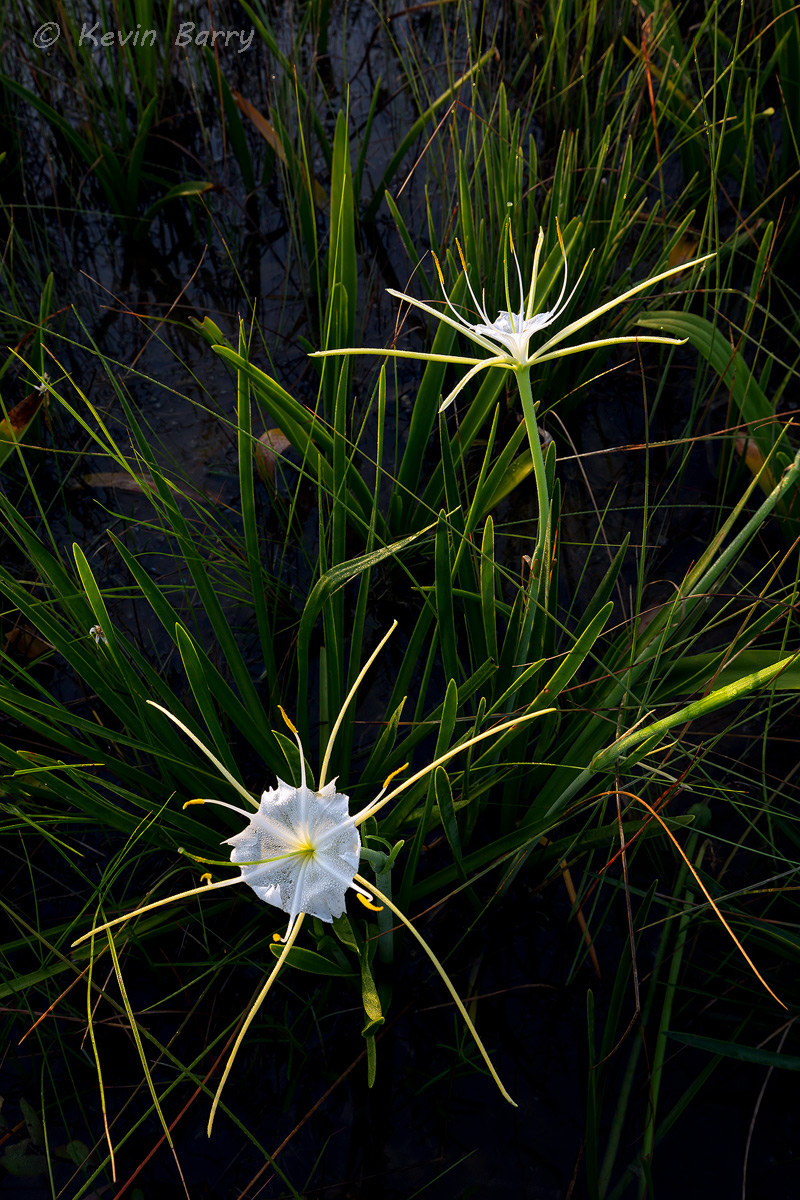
<point x="300" y="851"/>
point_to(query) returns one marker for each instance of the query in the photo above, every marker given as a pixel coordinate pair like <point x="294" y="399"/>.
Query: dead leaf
<point x="748" y="449"/>
<point x="684" y="250"/>
<point x="269" y="446"/>
<point x="13" y="427"/>
<point x="25" y="641"/>
<point x="123" y="481"/>
<point x="120" y="480"/>
<point x="270" y="136"/>
<point x="264" y="127"/>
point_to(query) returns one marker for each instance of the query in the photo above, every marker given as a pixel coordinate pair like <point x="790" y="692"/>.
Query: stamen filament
<point x="480" y="307"/>
<point x="557" y="307"/>
<point x="505" y="279"/>
<point x="521" y="313"/>
<point x="220" y="804"/>
<point x="303" y="786"/>
<point x="534" y="274"/>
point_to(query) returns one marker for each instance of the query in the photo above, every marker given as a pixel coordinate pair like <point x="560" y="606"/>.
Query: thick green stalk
<point x="529" y="413"/>
<point x="538" y="582"/>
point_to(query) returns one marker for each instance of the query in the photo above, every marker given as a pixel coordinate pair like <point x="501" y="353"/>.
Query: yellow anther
<point x="461" y="255"/>
<point x="188" y="802"/>
<point x="276" y="937"/>
<point x="368" y="904"/>
<point x="389" y="778"/>
<point x="206" y="878"/>
<point x="439" y="269"/>
<point x="510" y="237"/>
<point x="286" y="719"/>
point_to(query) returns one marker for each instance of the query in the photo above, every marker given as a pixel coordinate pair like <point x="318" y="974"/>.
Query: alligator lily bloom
<point x="507" y="339"/>
<point x="300" y="850"/>
<point x="512" y="329"/>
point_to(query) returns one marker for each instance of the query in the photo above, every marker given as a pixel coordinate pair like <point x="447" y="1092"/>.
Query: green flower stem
<point x="538" y="585"/>
<point x="529" y="413"/>
<point x="445" y="979"/>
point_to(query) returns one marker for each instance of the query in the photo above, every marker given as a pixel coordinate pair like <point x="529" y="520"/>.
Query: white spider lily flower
<point x="513" y="330"/>
<point x="507" y="339"/>
<point x="300" y="850"/>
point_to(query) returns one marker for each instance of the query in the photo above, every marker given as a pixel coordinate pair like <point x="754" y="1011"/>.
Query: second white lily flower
<point x="507" y="339"/>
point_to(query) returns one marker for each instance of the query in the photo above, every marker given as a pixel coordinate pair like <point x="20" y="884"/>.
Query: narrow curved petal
<point x="500" y="361"/>
<point x="627" y="339"/>
<point x="574" y="326"/>
<point x="462" y="326"/>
